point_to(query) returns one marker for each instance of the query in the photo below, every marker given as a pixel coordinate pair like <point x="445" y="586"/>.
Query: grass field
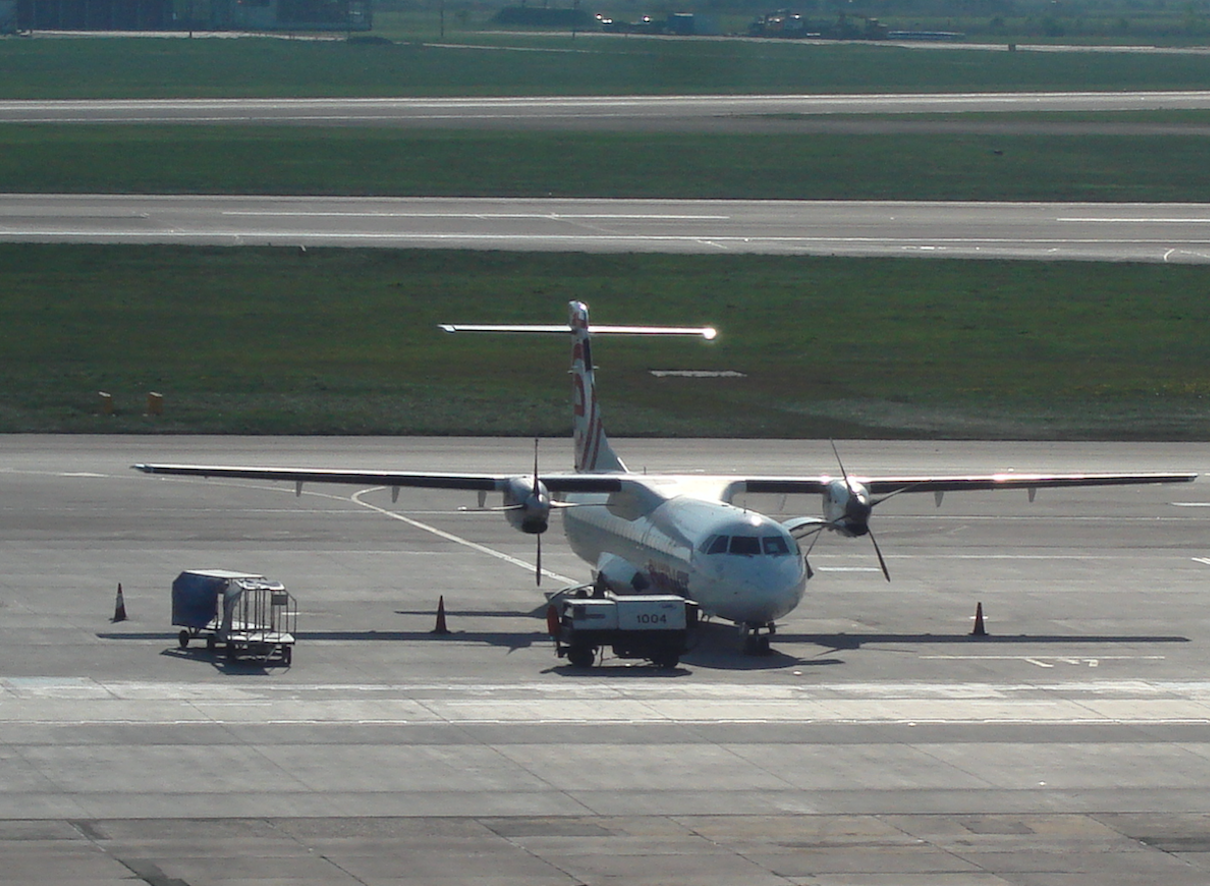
<point x="361" y="161"/>
<point x="345" y="341"/>
<point x="557" y="65"/>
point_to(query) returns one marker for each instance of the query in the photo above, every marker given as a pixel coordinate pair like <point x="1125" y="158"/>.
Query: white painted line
<point x="546" y="216"/>
<point x="449" y="536"/>
<point x="1113" y="221"/>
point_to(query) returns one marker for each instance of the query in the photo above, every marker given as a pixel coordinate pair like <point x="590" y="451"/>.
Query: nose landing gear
<point x="755" y="638"/>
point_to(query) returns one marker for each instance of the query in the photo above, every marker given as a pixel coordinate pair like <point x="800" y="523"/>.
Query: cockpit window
<point x="745" y="544"/>
<point x="748" y="545"/>
<point x="775" y="546"/>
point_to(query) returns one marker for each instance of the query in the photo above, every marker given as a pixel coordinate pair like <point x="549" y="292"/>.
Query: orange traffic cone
<point x="441" y="628"/>
<point x="979" y="630"/>
<point x="119" y="606"/>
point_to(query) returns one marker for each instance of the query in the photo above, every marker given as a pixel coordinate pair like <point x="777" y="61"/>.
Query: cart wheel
<point x="210" y="642"/>
<point x="287" y="653"/>
<point x="232" y="651"/>
<point x="183" y="639"/>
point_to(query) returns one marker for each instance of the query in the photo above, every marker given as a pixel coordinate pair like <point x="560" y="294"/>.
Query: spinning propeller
<point x="848" y="506"/>
<point x="527" y="506"/>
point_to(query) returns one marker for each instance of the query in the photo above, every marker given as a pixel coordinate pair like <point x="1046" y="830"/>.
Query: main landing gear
<point x="755" y="638"/>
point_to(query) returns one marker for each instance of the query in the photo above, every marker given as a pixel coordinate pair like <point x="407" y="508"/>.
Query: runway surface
<point x="880" y="744"/>
<point x="1102" y="231"/>
<point x="736" y="113"/>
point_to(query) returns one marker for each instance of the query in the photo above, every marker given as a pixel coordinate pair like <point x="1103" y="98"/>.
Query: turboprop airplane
<point x="669" y="533"/>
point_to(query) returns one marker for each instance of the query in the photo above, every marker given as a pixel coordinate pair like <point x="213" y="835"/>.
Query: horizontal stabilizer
<point x="706" y="332"/>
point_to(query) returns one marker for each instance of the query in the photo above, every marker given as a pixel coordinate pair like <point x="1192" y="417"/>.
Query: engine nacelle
<point x="847" y="508"/>
<point x="620" y="576"/>
<point x="527" y="505"/>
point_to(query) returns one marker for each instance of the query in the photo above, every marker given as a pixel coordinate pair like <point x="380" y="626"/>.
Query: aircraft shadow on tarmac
<point x="713" y="646"/>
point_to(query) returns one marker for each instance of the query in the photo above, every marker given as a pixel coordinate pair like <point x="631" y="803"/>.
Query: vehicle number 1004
<point x="652" y="618"/>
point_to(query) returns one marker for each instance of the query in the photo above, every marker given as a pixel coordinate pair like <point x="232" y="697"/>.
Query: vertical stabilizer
<point x="593" y="452"/>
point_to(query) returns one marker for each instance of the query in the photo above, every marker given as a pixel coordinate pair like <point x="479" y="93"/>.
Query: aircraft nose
<point x="777" y="592"/>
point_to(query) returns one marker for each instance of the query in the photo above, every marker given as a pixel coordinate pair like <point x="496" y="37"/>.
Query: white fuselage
<point x="676" y="535"/>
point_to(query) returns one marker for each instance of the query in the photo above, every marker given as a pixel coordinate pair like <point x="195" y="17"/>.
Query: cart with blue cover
<point x="249" y="615"/>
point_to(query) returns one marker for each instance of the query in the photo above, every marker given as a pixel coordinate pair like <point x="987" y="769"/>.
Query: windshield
<point x="748" y="545"/>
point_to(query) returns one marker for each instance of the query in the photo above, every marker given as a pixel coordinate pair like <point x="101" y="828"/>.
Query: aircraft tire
<point x="582" y="656"/>
<point x="757" y="644"/>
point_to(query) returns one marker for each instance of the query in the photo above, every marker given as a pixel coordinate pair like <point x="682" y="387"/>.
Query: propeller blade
<point x="817" y="533"/>
<point x="535" y="465"/>
<point x="877" y="501"/>
<point x="881" y="562"/>
<point x="843" y="472"/>
<point x="538" y="566"/>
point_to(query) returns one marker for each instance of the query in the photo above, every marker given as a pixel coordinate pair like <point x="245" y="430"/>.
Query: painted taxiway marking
<point x="1046" y="661"/>
<point x="1205" y="560"/>
<point x="1142" y="220"/>
<point x="457" y="539"/>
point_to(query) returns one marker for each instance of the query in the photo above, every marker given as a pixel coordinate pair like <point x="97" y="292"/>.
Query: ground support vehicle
<point x="652" y="626"/>
<point x="249" y="615"/>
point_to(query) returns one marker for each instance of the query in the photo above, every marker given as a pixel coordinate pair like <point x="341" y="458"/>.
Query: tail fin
<point x="593" y="452"/>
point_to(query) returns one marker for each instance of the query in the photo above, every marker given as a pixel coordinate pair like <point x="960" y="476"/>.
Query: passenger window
<point x="719" y="545"/>
<point x="775" y="546"/>
<point x="745" y="544"/>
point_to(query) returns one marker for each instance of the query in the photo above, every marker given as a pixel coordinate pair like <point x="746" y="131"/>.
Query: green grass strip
<point x="359" y="161"/>
<point x="557" y="65"/>
<point x="259" y="340"/>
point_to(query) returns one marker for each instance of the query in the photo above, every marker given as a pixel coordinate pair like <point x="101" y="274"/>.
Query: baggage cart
<point x="249" y="615"/>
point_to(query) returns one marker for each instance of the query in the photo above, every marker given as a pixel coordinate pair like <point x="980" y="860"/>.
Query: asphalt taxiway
<point x="732" y="113"/>
<point x="1088" y="231"/>
<point x="879" y="744"/>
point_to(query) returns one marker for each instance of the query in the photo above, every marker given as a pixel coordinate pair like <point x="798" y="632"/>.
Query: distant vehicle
<point x="645" y="532"/>
<point x="791" y="25"/>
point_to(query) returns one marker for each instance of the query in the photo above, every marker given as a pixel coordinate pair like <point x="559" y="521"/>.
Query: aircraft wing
<point x="894" y="485"/>
<point x="422" y="479"/>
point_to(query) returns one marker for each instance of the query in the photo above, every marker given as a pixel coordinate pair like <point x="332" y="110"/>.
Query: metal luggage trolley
<point x="249" y="615"/>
